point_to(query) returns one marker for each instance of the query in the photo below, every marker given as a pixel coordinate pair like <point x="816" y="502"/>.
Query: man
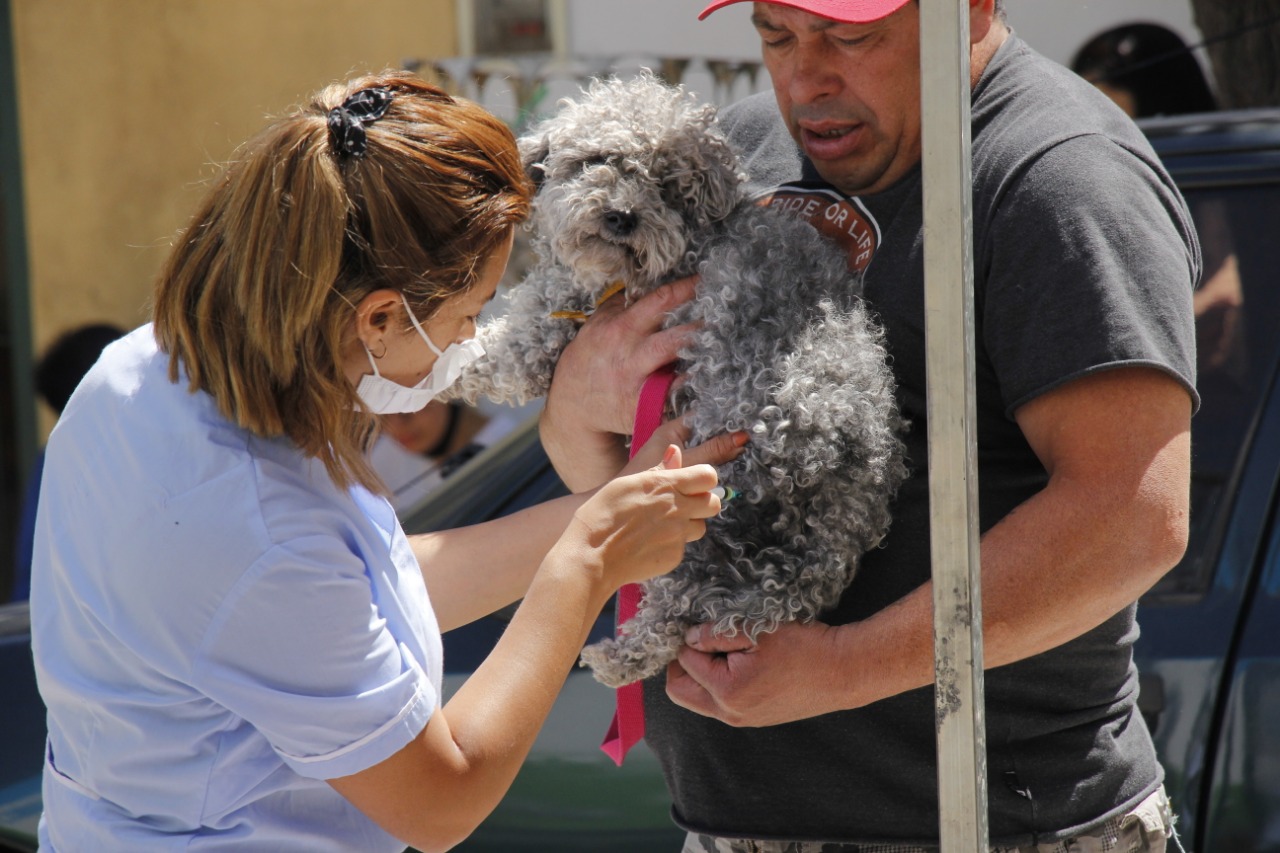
<point x="1085" y="260"/>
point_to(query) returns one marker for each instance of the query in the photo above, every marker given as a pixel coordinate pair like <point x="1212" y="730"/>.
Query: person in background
<point x="238" y="646"/>
<point x="417" y="451"/>
<point x="1147" y="70"/>
<point x="57" y="374"/>
<point x="438" y="431"/>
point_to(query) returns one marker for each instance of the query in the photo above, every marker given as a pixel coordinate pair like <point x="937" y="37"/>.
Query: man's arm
<point x="1110" y="522"/>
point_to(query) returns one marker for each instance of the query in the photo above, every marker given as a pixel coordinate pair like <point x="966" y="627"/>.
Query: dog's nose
<point x="620" y="222"/>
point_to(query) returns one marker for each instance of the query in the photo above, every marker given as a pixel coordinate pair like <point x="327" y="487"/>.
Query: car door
<point x="1243" y="809"/>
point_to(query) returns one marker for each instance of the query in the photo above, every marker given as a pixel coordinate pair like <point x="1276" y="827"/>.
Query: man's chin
<point x="857" y="176"/>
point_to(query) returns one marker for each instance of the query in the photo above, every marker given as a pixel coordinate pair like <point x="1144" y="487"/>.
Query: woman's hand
<point x="514" y="546"/>
<point x="637" y="525"/>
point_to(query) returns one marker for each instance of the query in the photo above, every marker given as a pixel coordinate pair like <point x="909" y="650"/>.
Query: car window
<point x="1237" y="308"/>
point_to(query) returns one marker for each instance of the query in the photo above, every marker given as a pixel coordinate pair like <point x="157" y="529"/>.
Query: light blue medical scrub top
<point x="217" y="628"/>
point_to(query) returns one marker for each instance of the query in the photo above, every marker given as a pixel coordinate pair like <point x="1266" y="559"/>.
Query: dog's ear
<point x="533" y="156"/>
<point x="721" y="177"/>
<point x="705" y="176"/>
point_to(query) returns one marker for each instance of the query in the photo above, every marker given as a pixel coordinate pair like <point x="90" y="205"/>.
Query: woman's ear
<point x="374" y="315"/>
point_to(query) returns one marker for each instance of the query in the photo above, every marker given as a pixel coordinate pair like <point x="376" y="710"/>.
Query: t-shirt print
<point x="836" y="216"/>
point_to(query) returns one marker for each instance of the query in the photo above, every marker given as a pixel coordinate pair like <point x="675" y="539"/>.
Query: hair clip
<point x="346" y="122"/>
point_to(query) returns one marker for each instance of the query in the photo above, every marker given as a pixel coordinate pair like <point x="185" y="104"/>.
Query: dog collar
<point x="581" y="316"/>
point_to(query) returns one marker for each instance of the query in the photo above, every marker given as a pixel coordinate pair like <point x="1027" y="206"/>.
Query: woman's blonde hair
<point x="257" y="300"/>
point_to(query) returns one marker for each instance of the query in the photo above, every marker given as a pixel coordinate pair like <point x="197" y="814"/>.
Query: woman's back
<point x="221" y="590"/>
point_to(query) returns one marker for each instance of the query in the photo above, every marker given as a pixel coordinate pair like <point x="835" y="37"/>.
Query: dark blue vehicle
<point x="1210" y="648"/>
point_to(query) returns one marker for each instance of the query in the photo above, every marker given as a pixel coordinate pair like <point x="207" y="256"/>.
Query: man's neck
<point x="983" y="50"/>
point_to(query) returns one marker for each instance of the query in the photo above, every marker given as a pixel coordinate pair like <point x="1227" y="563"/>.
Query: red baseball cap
<point x="846" y="11"/>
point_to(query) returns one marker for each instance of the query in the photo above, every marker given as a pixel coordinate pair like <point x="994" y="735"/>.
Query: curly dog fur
<point x="638" y="185"/>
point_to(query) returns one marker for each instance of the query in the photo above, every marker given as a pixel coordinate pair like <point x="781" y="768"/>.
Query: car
<point x="1209" y="654"/>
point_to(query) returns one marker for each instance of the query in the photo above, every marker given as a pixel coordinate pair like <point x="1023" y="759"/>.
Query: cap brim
<point x="846" y="11"/>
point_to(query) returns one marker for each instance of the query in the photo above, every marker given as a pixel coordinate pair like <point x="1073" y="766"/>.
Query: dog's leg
<point x="650" y="639"/>
<point x="838" y="397"/>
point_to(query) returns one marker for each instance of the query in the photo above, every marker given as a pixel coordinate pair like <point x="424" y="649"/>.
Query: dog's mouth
<point x="610" y="255"/>
<point x="622" y="246"/>
<point x="646" y="256"/>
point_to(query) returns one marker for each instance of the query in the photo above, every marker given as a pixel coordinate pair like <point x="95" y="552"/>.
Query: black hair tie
<point x="346" y="122"/>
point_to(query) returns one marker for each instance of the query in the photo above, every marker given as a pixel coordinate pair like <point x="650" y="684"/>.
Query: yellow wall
<point x="126" y="107"/>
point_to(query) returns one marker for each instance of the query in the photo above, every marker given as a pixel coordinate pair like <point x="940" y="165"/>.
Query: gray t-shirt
<point x="1085" y="259"/>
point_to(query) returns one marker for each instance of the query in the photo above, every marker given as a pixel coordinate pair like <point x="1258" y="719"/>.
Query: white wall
<point x="613" y="27"/>
<point x="667" y="28"/>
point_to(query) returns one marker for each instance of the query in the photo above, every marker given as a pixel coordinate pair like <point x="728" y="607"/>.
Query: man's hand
<point x="779" y="680"/>
<point x="715" y="451"/>
<point x="599" y="374"/>
<point x="593" y="396"/>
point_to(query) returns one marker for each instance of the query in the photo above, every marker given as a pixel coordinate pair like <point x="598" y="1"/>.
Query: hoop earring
<point x="381" y="354"/>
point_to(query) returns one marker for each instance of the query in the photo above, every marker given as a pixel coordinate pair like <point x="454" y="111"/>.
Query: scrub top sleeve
<point x="300" y="651"/>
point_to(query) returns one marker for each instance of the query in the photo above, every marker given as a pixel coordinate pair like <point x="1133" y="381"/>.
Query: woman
<point x="232" y="633"/>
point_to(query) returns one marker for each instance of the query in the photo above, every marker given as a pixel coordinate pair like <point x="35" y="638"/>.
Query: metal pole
<point x="558" y="23"/>
<point x="466" y="14"/>
<point x="953" y="478"/>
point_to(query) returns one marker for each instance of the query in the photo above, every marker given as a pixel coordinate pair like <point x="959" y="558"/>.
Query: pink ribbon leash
<point x="627" y="728"/>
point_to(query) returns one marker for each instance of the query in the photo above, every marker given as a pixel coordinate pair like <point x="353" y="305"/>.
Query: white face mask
<point x="381" y="396"/>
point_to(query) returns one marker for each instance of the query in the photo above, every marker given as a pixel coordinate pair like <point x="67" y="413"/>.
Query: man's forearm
<point x="1110" y="522"/>
<point x="584" y="459"/>
<point x="1058" y="566"/>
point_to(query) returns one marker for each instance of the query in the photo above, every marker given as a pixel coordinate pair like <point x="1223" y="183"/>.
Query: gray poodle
<point x="638" y="186"/>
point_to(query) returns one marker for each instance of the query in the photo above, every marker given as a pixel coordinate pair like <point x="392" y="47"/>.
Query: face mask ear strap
<point x="418" y="326"/>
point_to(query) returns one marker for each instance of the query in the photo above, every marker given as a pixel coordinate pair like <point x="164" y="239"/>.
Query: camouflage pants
<point x="1146" y="829"/>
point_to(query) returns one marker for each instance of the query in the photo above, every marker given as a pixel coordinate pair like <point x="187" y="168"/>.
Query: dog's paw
<point x="615" y="665"/>
<point x="599" y="658"/>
